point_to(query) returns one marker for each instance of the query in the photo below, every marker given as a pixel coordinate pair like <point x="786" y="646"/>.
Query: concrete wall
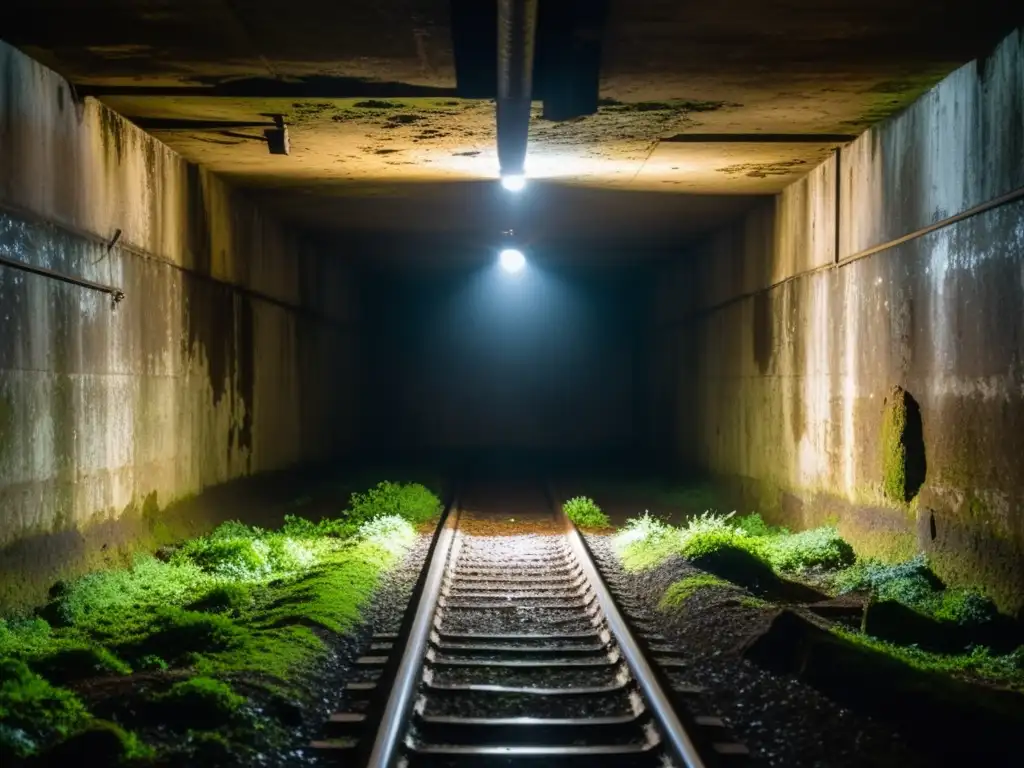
<point x="217" y="364"/>
<point x="775" y="361"/>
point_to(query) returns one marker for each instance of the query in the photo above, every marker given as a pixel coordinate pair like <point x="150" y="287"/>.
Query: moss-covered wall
<point x="785" y="366"/>
<point x="217" y="364"/>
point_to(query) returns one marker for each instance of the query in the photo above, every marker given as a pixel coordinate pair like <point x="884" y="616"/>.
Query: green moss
<point x="681" y="591"/>
<point x="241" y="602"/>
<point x="749" y="601"/>
<point x="200" y="702"/>
<point x="232" y="599"/>
<point x="894" y="452"/>
<point x="208" y="747"/>
<point x="78" y="663"/>
<point x="33" y="713"/>
<point x="584" y="512"/>
<point x="180" y="633"/>
<point x="105" y="743"/>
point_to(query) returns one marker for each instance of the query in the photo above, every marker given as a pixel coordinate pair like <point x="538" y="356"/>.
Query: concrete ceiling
<point x="703" y="104"/>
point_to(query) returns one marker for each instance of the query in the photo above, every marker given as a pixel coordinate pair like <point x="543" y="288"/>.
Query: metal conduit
<point x="517" y="32"/>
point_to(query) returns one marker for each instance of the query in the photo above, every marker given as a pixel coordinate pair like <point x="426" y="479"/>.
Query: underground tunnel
<point x="511" y="383"/>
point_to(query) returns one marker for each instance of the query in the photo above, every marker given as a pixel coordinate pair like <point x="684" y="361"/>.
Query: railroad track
<point x="516" y="654"/>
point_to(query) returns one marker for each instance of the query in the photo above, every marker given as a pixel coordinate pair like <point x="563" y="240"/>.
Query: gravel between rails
<point x="519" y="620"/>
<point x="783" y="721"/>
<point x="502" y="556"/>
<point x="470" y="704"/>
<point x="543" y="677"/>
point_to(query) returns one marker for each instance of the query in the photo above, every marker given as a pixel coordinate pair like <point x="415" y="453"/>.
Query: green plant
<point x="682" y="590"/>
<point x="584" y="512"/>
<point x="913" y="584"/>
<point x="966" y="607"/>
<point x="109" y="603"/>
<point x="34" y="713"/>
<point x="754" y="525"/>
<point x="412" y="501"/>
<point x="818" y="547"/>
<point x="230" y="557"/>
<point x="287" y="554"/>
<point x="241" y="602"/>
<point x="645" y="542"/>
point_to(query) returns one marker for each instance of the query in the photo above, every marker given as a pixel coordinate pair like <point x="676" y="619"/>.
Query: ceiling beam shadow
<point x="761" y="138"/>
<point x="313" y="87"/>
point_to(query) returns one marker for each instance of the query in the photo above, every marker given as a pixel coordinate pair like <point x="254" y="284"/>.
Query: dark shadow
<point x="913" y="443"/>
<point x="763" y="330"/>
<point x="761" y="138"/>
<point x="312" y="87"/>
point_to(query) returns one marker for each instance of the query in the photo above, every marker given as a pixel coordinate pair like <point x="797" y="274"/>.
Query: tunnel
<point x="511" y="382"/>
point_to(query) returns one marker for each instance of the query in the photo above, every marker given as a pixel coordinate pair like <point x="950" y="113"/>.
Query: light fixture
<point x="512" y="260"/>
<point x="514" y="182"/>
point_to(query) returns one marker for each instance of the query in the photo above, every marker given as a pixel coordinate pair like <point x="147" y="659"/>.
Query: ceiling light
<point x="514" y="182"/>
<point x="512" y="260"/>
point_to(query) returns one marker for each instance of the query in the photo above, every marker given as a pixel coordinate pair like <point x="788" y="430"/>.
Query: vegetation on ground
<point x="585" y="513"/>
<point x="645" y="542"/>
<point x="913" y="584"/>
<point x="980" y="662"/>
<point x="747" y="551"/>
<point x="240" y="609"/>
<point x="681" y="591"/>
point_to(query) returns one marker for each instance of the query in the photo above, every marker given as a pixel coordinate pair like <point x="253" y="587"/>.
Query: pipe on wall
<point x="517" y="34"/>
